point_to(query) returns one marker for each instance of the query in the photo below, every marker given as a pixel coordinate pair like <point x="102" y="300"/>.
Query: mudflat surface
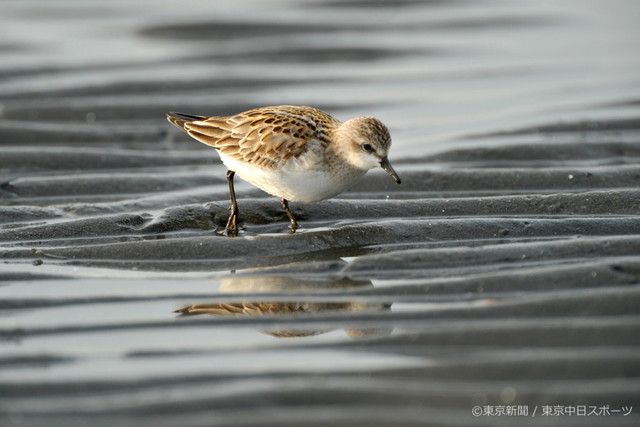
<point x="497" y="285"/>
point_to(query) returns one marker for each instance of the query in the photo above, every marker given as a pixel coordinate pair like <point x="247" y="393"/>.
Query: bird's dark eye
<point x="367" y="147"/>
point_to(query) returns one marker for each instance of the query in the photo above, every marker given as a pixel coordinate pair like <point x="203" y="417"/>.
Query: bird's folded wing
<point x="262" y="137"/>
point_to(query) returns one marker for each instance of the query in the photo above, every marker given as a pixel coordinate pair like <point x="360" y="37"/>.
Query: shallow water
<point x="502" y="272"/>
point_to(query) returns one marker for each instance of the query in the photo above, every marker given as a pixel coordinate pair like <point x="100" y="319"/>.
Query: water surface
<point x="502" y="272"/>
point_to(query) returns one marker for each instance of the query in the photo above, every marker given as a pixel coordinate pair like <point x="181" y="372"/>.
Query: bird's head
<point x="365" y="143"/>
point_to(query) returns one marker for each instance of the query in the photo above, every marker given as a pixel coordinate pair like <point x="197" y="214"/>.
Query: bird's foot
<point x="228" y="232"/>
<point x="231" y="229"/>
<point x="292" y="219"/>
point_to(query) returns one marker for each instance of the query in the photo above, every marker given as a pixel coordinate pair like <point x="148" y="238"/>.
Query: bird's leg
<point x="285" y="206"/>
<point x="231" y="228"/>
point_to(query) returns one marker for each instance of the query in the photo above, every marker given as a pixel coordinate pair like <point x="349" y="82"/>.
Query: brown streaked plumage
<point x="263" y="137"/>
<point x="282" y="289"/>
<point x="295" y="153"/>
<point x="273" y="309"/>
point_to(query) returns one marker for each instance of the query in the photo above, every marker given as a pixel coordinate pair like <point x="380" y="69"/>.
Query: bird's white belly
<point x="296" y="181"/>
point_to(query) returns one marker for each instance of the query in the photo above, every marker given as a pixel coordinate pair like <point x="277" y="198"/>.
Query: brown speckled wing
<point x="244" y="308"/>
<point x="263" y="136"/>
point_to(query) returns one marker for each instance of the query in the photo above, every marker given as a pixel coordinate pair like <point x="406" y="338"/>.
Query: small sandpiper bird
<point x="296" y="153"/>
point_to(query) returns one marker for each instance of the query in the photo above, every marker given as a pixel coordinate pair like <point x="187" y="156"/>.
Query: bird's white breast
<point x="308" y="178"/>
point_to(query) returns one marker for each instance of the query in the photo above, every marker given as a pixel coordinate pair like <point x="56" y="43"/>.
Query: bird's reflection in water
<point x="279" y="287"/>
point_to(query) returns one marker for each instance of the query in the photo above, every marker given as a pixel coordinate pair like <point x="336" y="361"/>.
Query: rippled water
<point x="501" y="273"/>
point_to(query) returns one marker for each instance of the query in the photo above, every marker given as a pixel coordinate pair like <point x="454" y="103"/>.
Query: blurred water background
<point x="501" y="273"/>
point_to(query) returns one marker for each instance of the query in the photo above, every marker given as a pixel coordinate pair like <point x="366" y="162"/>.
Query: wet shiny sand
<point x="501" y="273"/>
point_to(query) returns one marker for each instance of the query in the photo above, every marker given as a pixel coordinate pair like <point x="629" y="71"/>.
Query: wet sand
<point x="501" y="273"/>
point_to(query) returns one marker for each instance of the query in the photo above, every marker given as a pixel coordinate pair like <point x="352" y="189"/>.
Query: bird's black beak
<point x="384" y="163"/>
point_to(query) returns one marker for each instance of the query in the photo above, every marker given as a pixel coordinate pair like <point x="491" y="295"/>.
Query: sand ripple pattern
<point x="502" y="272"/>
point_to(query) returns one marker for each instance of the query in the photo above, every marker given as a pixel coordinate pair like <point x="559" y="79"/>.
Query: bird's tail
<point x="179" y="119"/>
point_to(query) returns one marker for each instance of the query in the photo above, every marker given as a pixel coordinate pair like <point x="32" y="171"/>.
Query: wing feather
<point x="263" y="136"/>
